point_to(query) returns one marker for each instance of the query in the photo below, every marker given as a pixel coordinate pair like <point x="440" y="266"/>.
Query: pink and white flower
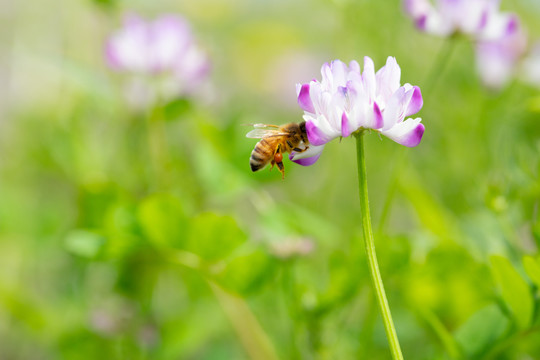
<point x="447" y="17"/>
<point x="347" y="100"/>
<point x="164" y="46"/>
<point x="499" y="39"/>
<point x="499" y="49"/>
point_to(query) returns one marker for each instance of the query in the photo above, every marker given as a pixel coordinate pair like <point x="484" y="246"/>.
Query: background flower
<point x="498" y="54"/>
<point x="499" y="39"/>
<point x="449" y="16"/>
<point x="164" y="48"/>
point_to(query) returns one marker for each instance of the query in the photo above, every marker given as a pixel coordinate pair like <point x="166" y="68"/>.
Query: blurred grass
<point x="90" y="216"/>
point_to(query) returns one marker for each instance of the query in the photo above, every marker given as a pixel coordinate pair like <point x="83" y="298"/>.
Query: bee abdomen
<point x="258" y="158"/>
<point x="255" y="166"/>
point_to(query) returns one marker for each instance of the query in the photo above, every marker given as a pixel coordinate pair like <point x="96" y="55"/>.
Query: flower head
<point x="347" y="100"/>
<point x="499" y="49"/>
<point x="163" y="46"/>
<point x="447" y="17"/>
<point x="499" y="39"/>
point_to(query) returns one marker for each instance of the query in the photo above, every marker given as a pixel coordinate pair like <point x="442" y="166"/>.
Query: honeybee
<point x="276" y="140"/>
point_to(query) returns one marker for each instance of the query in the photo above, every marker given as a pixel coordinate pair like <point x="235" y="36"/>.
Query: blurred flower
<point x="112" y="317"/>
<point x="449" y="16"/>
<point x="499" y="50"/>
<point x="531" y="66"/>
<point x="164" y="47"/>
<point x="292" y="247"/>
<point x="347" y="100"/>
<point x="500" y="40"/>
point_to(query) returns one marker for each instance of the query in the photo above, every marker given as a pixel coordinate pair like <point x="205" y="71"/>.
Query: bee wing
<point x="262" y="126"/>
<point x="262" y="133"/>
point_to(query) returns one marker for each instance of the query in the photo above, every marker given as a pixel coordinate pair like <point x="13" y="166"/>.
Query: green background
<point x="141" y="233"/>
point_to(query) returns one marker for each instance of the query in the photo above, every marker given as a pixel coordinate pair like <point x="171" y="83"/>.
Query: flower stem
<point x="370" y="251"/>
<point x="443" y="57"/>
<point x="252" y="336"/>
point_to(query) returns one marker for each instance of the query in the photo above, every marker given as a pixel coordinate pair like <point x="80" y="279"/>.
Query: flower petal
<point x="304" y="99"/>
<point x="378" y="117"/>
<point x="346" y="128"/>
<point x="170" y="37"/>
<point x="128" y="48"/>
<point x="415" y="103"/>
<point x="408" y="133"/>
<point x="318" y="135"/>
<point x="339" y="75"/>
<point x="368" y="78"/>
<point x="400" y="105"/>
<point x="417" y="8"/>
<point x="387" y="80"/>
<point x="308" y="157"/>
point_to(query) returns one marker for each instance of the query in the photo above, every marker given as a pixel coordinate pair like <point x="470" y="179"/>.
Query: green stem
<point x="157" y="145"/>
<point x="252" y="336"/>
<point x="440" y="64"/>
<point x="370" y="251"/>
<point x="291" y="301"/>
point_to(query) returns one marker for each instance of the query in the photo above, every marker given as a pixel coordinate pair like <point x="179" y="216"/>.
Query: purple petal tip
<point x="415" y="136"/>
<point x="305" y="161"/>
<point x="378" y="116"/>
<point x="416" y="102"/>
<point x="345" y="126"/>
<point x="304" y="100"/>
<point x="421" y="22"/>
<point x="314" y="134"/>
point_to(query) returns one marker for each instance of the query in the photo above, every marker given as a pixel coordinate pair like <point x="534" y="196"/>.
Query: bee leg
<point x="301" y="150"/>
<point x="281" y="169"/>
<point x="278" y="159"/>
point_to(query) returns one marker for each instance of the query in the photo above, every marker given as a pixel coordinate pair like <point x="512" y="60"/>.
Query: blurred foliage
<point x="133" y="232"/>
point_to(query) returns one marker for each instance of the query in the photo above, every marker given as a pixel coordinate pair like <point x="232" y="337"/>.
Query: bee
<point x="276" y="140"/>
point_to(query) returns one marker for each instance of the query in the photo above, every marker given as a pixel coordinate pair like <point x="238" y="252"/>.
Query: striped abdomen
<point x="261" y="154"/>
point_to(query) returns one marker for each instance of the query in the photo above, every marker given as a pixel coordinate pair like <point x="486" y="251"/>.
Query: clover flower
<point x="164" y="46"/>
<point x="347" y="100"/>
<point x="499" y="50"/>
<point x="499" y="39"/>
<point x="447" y="17"/>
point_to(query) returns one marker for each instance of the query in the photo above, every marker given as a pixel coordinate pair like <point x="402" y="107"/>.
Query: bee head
<point x="303" y="132"/>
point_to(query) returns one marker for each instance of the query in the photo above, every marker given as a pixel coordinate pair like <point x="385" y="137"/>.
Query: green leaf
<point x="481" y="331"/>
<point x="176" y="109"/>
<point x="515" y="290"/>
<point x="247" y="273"/>
<point x="342" y="285"/>
<point x="163" y="220"/>
<point x="84" y="243"/>
<point x="532" y="267"/>
<point x="106" y="3"/>
<point x="122" y="231"/>
<point x="214" y="237"/>
<point x="534" y="104"/>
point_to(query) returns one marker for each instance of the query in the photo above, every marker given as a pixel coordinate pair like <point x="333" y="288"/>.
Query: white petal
<point x="408" y="132"/>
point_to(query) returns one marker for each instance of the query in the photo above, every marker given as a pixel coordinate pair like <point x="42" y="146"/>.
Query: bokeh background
<point x="132" y="231"/>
